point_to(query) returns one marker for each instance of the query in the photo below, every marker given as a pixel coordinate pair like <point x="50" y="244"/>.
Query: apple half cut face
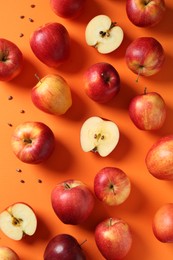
<point x="18" y="220"/>
<point x="103" y="34"/>
<point x="99" y="135"/>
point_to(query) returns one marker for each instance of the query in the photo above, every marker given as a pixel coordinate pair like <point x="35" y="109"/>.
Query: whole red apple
<point x="52" y="95"/>
<point x="112" y="186"/>
<point x="145" y="56"/>
<point x="67" y="8"/>
<point x="63" y="247"/>
<point x="101" y="82"/>
<point x="144" y="13"/>
<point x="6" y="253"/>
<point x="159" y="159"/>
<point x="147" y="111"/>
<point x="11" y="60"/>
<point x="72" y="201"/>
<point x="51" y="44"/>
<point x="113" y="238"/>
<point x="32" y="142"/>
<point x="162" y="223"/>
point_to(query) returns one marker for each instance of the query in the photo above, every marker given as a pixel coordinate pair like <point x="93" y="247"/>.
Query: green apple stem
<point x="67" y="186"/>
<point x="37" y="77"/>
<point x="139" y="72"/>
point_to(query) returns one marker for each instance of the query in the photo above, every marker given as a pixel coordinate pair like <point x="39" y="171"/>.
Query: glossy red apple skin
<point x="63" y="247"/>
<point x="112" y="186"/>
<point x="162" y="223"/>
<point x="6" y="253"/>
<point x="72" y="201"/>
<point x="159" y="159"/>
<point x="32" y="142"/>
<point x="51" y="44"/>
<point x="11" y="60"/>
<point x="145" y="13"/>
<point x="113" y="238"/>
<point x="101" y="82"/>
<point x="67" y="8"/>
<point x="148" y="111"/>
<point x="145" y="56"/>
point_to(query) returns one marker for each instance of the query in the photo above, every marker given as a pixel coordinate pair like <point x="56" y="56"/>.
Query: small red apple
<point x="101" y="82"/>
<point x="67" y="8"/>
<point x="162" y="224"/>
<point x="113" y="238"/>
<point x="6" y="253"/>
<point x="112" y="186"/>
<point x="63" y="247"/>
<point x="11" y="60"/>
<point x="145" y="56"/>
<point x="32" y="142"/>
<point x="159" y="159"/>
<point x="51" y="44"/>
<point x="144" y="13"/>
<point x="52" y="95"/>
<point x="147" y="111"/>
<point x="72" y="201"/>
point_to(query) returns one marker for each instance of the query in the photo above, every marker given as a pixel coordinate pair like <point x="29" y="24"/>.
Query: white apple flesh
<point x="103" y="34"/>
<point x="18" y="220"/>
<point x="99" y="135"/>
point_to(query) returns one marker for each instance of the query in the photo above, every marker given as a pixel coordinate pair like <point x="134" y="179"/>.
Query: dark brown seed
<point x="32" y="6"/>
<point x="10" y="98"/>
<point x="22" y="111"/>
<point x="22" y="181"/>
<point x="21" y="35"/>
<point x="39" y="181"/>
<point x="22" y="17"/>
<point x="10" y="124"/>
<point x="31" y="20"/>
<point x="18" y="170"/>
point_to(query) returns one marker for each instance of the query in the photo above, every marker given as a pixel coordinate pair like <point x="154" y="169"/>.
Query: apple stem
<point x="67" y="186"/>
<point x="29" y="141"/>
<point x="110" y="222"/>
<point x="37" y="77"/>
<point x="145" y="90"/>
<point x="139" y="73"/>
<point x="83" y="242"/>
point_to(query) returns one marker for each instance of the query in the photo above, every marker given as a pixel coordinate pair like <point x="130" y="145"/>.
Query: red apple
<point x="113" y="238"/>
<point x="145" y="56"/>
<point x="72" y="201"/>
<point x="11" y="60"/>
<point x="147" y="111"/>
<point x="112" y="186"/>
<point x="67" y="8"/>
<point x="101" y="82"/>
<point x="144" y="13"/>
<point x="159" y="159"/>
<point x="162" y="224"/>
<point x="51" y="44"/>
<point x="63" y="247"/>
<point x="6" y="253"/>
<point x="32" y="142"/>
<point x="52" y="95"/>
<point x="18" y="220"/>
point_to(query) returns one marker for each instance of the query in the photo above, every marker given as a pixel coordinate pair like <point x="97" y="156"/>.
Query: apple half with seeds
<point x="99" y="135"/>
<point x="17" y="221"/>
<point x="103" y="34"/>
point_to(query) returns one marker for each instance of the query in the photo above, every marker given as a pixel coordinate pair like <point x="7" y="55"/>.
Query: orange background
<point x="68" y="160"/>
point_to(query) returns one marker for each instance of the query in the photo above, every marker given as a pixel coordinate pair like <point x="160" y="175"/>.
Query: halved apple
<point x="18" y="220"/>
<point x="99" y="135"/>
<point x="103" y="34"/>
